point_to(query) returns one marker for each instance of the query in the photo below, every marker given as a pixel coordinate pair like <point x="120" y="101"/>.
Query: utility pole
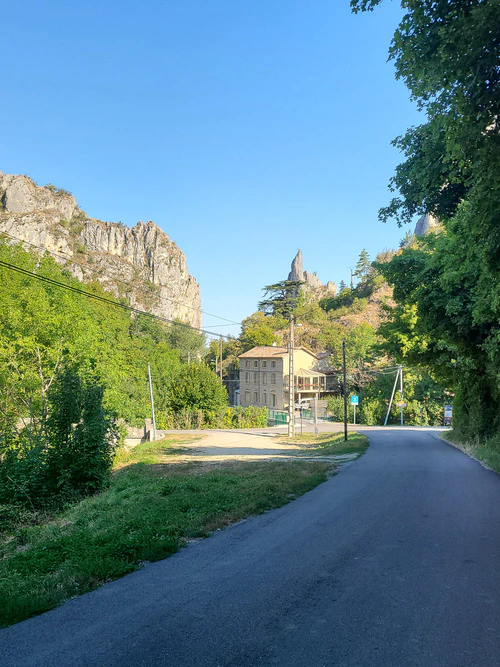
<point x="345" y="390"/>
<point x="315" y="415"/>
<point x="220" y="355"/>
<point x="291" y="388"/>
<point x="392" y="395"/>
<point x="401" y="391"/>
<point x="152" y="402"/>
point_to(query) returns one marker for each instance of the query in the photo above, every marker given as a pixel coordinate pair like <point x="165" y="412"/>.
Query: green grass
<point x="486" y="451"/>
<point x="148" y="513"/>
<point x="330" y="444"/>
<point x="153" y="452"/>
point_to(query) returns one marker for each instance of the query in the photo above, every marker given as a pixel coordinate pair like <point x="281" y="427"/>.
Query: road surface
<point x="393" y="562"/>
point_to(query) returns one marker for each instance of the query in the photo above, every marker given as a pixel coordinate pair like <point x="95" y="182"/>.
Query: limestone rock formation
<point x="296" y="272"/>
<point x="426" y="224"/>
<point x="311" y="280"/>
<point x="140" y="263"/>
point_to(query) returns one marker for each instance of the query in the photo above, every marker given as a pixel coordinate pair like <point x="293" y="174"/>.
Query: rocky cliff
<point x="140" y="263"/>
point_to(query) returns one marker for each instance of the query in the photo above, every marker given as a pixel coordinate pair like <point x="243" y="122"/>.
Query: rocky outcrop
<point x="426" y="224"/>
<point x="140" y="263"/>
<point x="296" y="270"/>
<point x="311" y="280"/>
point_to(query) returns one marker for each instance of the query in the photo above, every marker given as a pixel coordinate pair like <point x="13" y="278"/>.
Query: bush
<point x="63" y="457"/>
<point x="371" y="412"/>
<point x="251" y="417"/>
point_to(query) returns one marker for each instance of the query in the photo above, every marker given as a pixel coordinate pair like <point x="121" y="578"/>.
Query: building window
<point x="264" y="398"/>
<point x="247" y="397"/>
<point x="255" y="397"/>
<point x="247" y="364"/>
<point x="273" y="378"/>
<point x="247" y="377"/>
<point x="273" y="364"/>
<point x="256" y="364"/>
<point x="273" y="400"/>
<point x="264" y="378"/>
<point x="255" y="378"/>
<point x="264" y="364"/>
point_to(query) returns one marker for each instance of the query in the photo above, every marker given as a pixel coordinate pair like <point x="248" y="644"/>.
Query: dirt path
<point x="235" y="445"/>
<point x="247" y="446"/>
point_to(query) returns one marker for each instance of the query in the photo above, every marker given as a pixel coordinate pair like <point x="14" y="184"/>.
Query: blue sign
<point x="354" y="400"/>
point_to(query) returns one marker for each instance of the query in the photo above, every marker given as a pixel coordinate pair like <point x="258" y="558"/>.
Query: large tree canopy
<point x="447" y="287"/>
<point x="447" y="53"/>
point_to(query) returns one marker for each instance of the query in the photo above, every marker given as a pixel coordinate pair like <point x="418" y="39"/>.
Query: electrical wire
<point x="97" y="297"/>
<point x="118" y="280"/>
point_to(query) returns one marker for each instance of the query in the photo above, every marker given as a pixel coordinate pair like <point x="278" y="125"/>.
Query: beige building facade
<point x="264" y="376"/>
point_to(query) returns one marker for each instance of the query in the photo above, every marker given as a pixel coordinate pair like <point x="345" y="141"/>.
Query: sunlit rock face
<point x="140" y="263"/>
<point x="311" y="280"/>
<point x="426" y="224"/>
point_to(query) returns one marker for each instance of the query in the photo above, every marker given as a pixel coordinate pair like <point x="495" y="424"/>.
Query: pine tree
<point x="408" y="240"/>
<point x="342" y="286"/>
<point x="363" y="266"/>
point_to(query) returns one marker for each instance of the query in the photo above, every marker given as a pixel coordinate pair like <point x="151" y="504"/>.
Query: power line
<point x="103" y="299"/>
<point x="118" y="280"/>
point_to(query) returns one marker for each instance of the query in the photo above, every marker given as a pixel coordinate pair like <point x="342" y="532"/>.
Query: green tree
<point x="447" y="54"/>
<point x="196" y="387"/>
<point x="363" y="265"/>
<point x="259" y="329"/>
<point x="41" y="323"/>
<point x="408" y="240"/>
<point x="447" y="287"/>
<point x="282" y="298"/>
<point x="189" y="342"/>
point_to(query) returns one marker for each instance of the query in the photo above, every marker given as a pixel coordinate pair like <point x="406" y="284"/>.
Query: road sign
<point x="401" y="404"/>
<point x="354" y="400"/>
<point x="448" y="415"/>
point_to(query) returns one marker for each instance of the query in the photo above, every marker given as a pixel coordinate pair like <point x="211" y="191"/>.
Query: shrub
<point x="371" y="411"/>
<point x="239" y="417"/>
<point x="65" y="456"/>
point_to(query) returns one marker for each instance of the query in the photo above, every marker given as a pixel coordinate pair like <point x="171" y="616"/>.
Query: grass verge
<point x="148" y="513"/>
<point x="158" y="451"/>
<point x="485" y="451"/>
<point x="330" y="444"/>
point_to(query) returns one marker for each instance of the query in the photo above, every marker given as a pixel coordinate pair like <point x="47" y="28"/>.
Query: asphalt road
<point x="393" y="562"/>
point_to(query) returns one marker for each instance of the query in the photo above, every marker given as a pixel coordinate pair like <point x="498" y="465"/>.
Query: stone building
<point x="264" y="376"/>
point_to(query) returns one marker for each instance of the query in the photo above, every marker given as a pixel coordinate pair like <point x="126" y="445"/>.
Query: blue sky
<point x="245" y="130"/>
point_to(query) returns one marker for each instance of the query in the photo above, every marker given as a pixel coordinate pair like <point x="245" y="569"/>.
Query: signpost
<point x="448" y="415"/>
<point x="354" y="403"/>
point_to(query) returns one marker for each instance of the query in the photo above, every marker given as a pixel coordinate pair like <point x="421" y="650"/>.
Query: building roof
<point x="271" y="351"/>
<point x="304" y="372"/>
